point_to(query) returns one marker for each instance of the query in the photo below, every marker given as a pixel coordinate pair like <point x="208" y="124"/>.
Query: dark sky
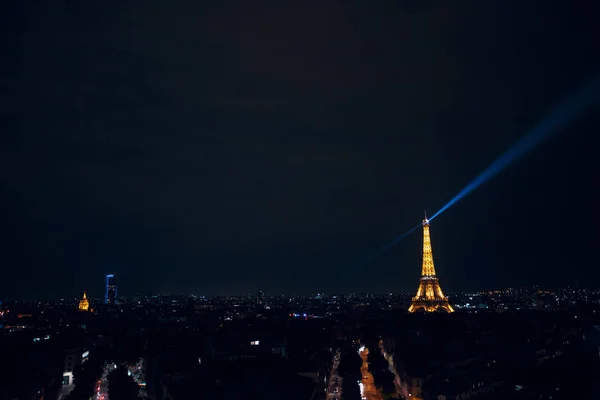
<point x="216" y="147"/>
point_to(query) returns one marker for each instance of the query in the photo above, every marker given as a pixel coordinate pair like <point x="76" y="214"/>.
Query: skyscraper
<point x="110" y="296"/>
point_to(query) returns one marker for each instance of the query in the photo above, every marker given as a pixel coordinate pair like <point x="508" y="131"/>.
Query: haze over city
<point x="234" y="147"/>
<point x="299" y="200"/>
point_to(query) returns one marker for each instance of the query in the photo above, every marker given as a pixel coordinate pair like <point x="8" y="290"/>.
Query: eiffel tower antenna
<point x="429" y="295"/>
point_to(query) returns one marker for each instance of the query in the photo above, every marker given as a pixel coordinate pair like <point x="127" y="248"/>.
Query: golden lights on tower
<point x="429" y="296"/>
<point x="84" y="304"/>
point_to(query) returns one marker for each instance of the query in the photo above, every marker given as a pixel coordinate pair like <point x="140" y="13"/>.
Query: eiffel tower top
<point x="428" y="268"/>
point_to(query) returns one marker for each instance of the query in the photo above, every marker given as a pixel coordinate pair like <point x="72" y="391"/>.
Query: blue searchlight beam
<point x="567" y="111"/>
<point x="371" y="257"/>
<point x="570" y="109"/>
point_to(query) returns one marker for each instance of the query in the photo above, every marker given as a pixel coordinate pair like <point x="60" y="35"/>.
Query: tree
<point x="379" y="368"/>
<point x="126" y="349"/>
<point x="85" y="377"/>
<point x="121" y="386"/>
<point x="350" y="389"/>
<point x="80" y="393"/>
<point x="349" y="371"/>
<point x="350" y="363"/>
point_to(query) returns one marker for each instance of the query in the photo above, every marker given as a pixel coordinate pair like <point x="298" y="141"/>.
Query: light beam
<point x="376" y="254"/>
<point x="566" y="112"/>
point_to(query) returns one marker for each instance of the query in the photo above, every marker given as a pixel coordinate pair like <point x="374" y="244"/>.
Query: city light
<point x="429" y="295"/>
<point x="368" y="389"/>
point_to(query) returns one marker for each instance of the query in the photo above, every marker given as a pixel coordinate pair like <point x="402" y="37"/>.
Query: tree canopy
<point x="379" y="368"/>
<point x="85" y="377"/>
<point x="121" y="386"/>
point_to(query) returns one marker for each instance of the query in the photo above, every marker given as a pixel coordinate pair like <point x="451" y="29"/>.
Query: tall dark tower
<point x="110" y="296"/>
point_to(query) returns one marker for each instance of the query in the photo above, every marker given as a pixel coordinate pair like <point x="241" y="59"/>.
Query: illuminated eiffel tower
<point x="429" y="296"/>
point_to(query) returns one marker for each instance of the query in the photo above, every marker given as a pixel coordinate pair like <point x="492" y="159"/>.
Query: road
<point x="136" y="371"/>
<point x="101" y="390"/>
<point x="368" y="391"/>
<point x="334" y="389"/>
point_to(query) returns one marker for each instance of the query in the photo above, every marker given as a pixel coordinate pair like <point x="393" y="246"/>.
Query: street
<point x="334" y="389"/>
<point x="368" y="391"/>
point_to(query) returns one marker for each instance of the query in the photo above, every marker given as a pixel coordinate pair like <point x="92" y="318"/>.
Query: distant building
<point x="110" y="296"/>
<point x="260" y="297"/>
<point x="84" y="304"/>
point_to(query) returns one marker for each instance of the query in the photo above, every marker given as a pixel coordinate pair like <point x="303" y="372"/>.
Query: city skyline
<point x="339" y="200"/>
<point x="99" y="296"/>
<point x="294" y="152"/>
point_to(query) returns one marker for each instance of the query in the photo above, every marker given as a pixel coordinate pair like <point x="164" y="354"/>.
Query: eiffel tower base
<point x="430" y="306"/>
<point x="429" y="297"/>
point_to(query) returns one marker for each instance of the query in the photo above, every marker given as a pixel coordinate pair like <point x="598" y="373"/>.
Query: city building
<point x="110" y="296"/>
<point x="260" y="297"/>
<point x="73" y="358"/>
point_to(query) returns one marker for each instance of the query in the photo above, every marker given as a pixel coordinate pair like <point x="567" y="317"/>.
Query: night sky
<point x="218" y="147"/>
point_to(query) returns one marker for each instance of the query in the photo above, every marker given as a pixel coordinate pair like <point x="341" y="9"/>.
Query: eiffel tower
<point x="429" y="296"/>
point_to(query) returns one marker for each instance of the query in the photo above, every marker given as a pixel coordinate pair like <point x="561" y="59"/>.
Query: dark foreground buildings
<point x="521" y="355"/>
<point x="285" y="347"/>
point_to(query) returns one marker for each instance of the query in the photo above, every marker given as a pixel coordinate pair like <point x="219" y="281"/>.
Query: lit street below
<point x="334" y="388"/>
<point x="134" y="370"/>
<point x="368" y="391"/>
<point x="102" y="384"/>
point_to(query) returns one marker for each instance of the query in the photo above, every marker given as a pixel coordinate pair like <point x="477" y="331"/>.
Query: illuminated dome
<point x="84" y="304"/>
